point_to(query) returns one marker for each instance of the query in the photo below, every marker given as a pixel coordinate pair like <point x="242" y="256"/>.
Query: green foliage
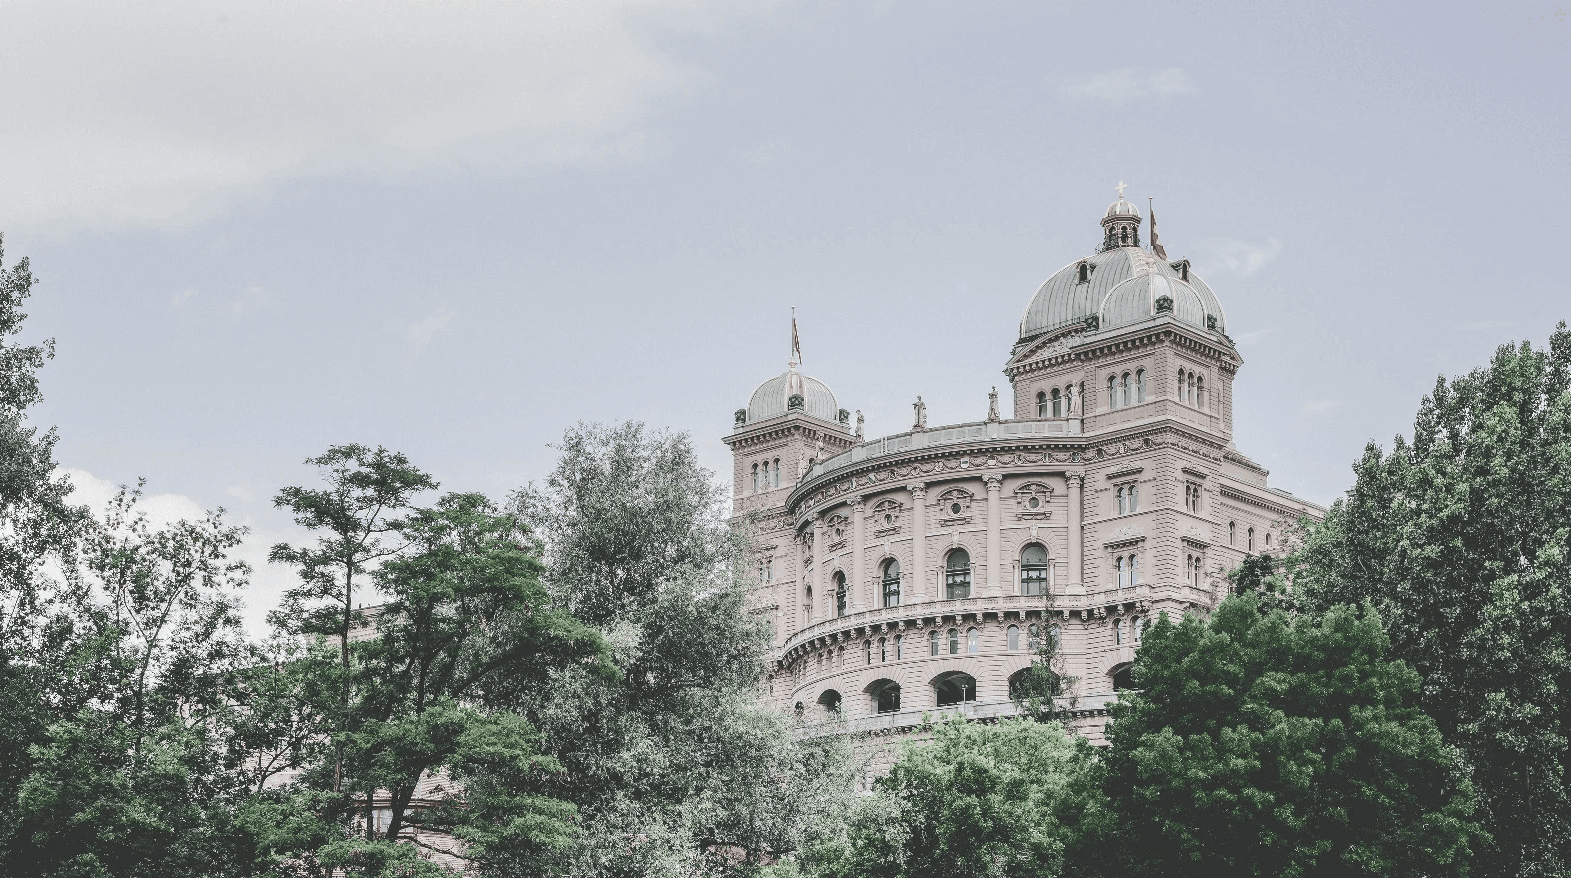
<point x="1460" y="539"/>
<point x="1263" y="744"/>
<point x="676" y="767"/>
<point x="975" y="800"/>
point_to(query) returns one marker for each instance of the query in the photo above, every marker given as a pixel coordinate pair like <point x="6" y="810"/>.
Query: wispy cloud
<point x="1243" y="257"/>
<point x="422" y="332"/>
<point x="1124" y="84"/>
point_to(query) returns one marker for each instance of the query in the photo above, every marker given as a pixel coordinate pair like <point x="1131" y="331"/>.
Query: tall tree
<point x="426" y="746"/>
<point x="1461" y="539"/>
<point x="1266" y="744"/>
<point x="358" y="515"/>
<point x="677" y="767"/>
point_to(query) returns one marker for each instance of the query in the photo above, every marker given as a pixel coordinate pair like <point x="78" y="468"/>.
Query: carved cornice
<point x="1277" y="509"/>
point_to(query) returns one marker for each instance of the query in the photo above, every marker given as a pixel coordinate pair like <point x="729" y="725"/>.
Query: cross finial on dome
<point x="1121" y="187"/>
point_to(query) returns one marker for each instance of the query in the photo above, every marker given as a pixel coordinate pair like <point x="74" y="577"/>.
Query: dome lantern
<point x="1121" y="224"/>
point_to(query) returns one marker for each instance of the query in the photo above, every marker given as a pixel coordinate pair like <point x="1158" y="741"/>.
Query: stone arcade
<point x="912" y="574"/>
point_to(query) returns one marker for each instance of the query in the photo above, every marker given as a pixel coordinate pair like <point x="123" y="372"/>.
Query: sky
<point x="455" y="229"/>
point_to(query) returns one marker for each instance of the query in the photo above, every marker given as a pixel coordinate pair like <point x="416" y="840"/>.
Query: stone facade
<point x="928" y="560"/>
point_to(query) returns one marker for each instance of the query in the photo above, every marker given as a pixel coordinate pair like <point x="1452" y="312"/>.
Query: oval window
<point x="837" y="533"/>
<point x="954" y="508"/>
<point x="889" y="519"/>
<point x="1033" y="503"/>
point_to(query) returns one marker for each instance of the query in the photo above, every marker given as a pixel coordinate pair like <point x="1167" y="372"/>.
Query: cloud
<point x="1243" y="257"/>
<point x="422" y="332"/>
<point x="268" y="581"/>
<point x="1123" y="85"/>
<point x="163" y="114"/>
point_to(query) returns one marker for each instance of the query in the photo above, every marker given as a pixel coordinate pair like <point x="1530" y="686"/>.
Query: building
<point x="911" y="574"/>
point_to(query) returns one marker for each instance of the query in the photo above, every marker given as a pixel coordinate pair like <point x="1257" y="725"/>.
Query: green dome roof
<point x="1122" y="286"/>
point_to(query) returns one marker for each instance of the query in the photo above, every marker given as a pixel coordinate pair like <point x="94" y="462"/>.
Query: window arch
<point x="1125" y="391"/>
<point x="957" y="575"/>
<point x="973" y="641"/>
<point x="1123" y="502"/>
<point x="883" y="649"/>
<point x="1251" y="539"/>
<point x="1140" y="385"/>
<point x="1123" y="575"/>
<point x="1268" y="539"/>
<point x="1034" y="568"/>
<point x="842" y="594"/>
<point x="830" y="701"/>
<point x="1058" y="403"/>
<point x="891" y="583"/>
<point x="774" y="474"/>
<point x="899" y="647"/>
<point x="1012" y="638"/>
<point x="955" y="687"/>
<point x="1118" y="633"/>
<point x="1112" y="392"/>
<point x="1134" y="570"/>
<point x="1041" y="403"/>
<point x="886" y="696"/>
<point x="867" y="646"/>
<point x="1034" y="638"/>
<point x="1191" y="388"/>
<point x="954" y="641"/>
<point x="1200" y="393"/>
<point x="1052" y="636"/>
<point x="932" y="642"/>
<point x="1123" y="677"/>
<point x="1135" y="629"/>
<point x="755" y="478"/>
<point x="1232" y="533"/>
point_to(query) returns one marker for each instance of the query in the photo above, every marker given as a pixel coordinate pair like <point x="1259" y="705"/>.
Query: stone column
<point x="858" y="574"/>
<point x="918" y="541"/>
<point x="818" y="567"/>
<point x="995" y="523"/>
<point x="1076" y="572"/>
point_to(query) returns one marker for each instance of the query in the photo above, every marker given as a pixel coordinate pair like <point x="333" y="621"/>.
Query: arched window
<point x="1134" y="630"/>
<point x="886" y="696"/>
<point x="954" y="641"/>
<point x="1112" y="392"/>
<point x="1181" y="376"/>
<point x="1232" y="533"/>
<point x="1085" y="272"/>
<point x="955" y="687"/>
<point x="1251" y="539"/>
<point x="1140" y="385"/>
<point x="1033" y="570"/>
<point x="973" y="641"/>
<point x="891" y="583"/>
<point x="1123" y="575"/>
<point x="1123" y="503"/>
<point x="774" y="474"/>
<point x="957" y="575"/>
<point x="810" y="607"/>
<point x="830" y="701"/>
<point x="841" y="593"/>
<point x="1134" y="498"/>
<point x="1123" y="678"/>
<point x="1268" y="539"/>
<point x="1191" y="388"/>
<point x="1200" y="393"/>
<point x="1034" y="638"/>
<point x="1041" y="403"/>
<point x="932" y="642"/>
<point x="1118" y="633"/>
<point x="1058" y="403"/>
<point x="1012" y="637"/>
<point x="755" y="478"/>
<point x="883" y="649"/>
<point x="1125" y="392"/>
<point x="1134" y="570"/>
<point x="899" y="647"/>
<point x="867" y="646"/>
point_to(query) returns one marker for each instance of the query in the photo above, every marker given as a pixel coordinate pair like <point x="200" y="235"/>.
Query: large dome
<point x="1120" y="287"/>
<point x="769" y="400"/>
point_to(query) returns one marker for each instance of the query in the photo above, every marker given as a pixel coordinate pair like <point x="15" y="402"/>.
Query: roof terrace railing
<point x="980" y="431"/>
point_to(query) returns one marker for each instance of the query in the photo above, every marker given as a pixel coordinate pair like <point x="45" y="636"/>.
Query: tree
<point x="1460" y="539"/>
<point x="134" y="773"/>
<point x="975" y="800"/>
<point x="677" y="767"/>
<point x="1266" y="744"/>
<point x="356" y="514"/>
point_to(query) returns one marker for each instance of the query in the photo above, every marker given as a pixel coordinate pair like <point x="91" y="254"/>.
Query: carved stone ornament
<point x="741" y="417"/>
<point x="796" y="403"/>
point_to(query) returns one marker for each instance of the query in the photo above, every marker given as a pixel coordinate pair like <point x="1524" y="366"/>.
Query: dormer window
<point x="1182" y="267"/>
<point x="1084" y="273"/>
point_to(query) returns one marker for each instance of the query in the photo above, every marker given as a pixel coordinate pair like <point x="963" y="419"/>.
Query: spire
<point x="796" y="343"/>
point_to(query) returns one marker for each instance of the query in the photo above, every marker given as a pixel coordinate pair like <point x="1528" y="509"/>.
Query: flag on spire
<point x="796" y="343"/>
<point x="1156" y="246"/>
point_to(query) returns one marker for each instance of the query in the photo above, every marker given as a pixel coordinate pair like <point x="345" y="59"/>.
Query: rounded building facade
<point x="916" y="573"/>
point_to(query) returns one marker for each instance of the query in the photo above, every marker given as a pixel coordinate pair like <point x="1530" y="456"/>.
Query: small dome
<point x="771" y="397"/>
<point x="1121" y="208"/>
<point x="1135" y="300"/>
